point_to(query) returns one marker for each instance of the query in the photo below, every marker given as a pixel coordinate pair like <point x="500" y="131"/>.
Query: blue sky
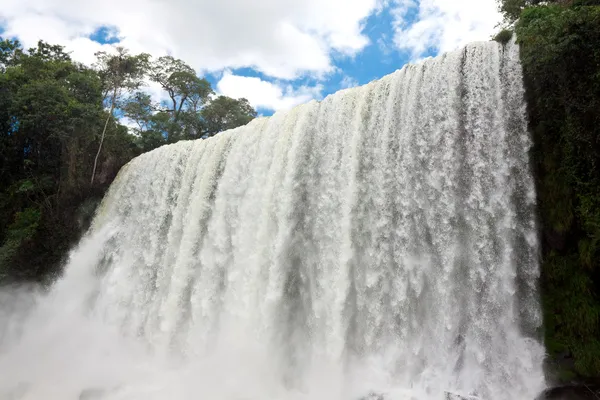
<point x="276" y="53"/>
<point x="377" y="59"/>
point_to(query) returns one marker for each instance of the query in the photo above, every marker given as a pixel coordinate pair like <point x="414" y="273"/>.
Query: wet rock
<point x="571" y="392"/>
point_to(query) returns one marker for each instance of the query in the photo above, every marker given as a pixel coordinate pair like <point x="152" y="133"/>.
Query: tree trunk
<point x="112" y="108"/>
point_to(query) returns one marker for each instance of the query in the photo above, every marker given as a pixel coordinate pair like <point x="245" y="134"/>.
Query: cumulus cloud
<point x="281" y="38"/>
<point x="442" y="25"/>
<point x="265" y="94"/>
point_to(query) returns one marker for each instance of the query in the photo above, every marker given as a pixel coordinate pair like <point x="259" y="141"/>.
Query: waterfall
<point x="381" y="241"/>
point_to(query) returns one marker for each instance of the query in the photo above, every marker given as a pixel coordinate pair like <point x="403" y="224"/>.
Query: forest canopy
<point x="63" y="139"/>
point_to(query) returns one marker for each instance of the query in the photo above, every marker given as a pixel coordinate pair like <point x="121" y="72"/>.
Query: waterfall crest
<point x="381" y="240"/>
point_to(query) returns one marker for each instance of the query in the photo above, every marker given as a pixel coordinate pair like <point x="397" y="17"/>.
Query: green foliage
<point x="8" y="49"/>
<point x="50" y="112"/>
<point x="560" y="51"/>
<point x="120" y="72"/>
<point x="190" y="113"/>
<point x="179" y="80"/>
<point x="58" y="127"/>
<point x="21" y="230"/>
<point x="188" y="94"/>
<point x="226" y="113"/>
<point x="512" y="9"/>
<point x="504" y="36"/>
<point x="49" y="52"/>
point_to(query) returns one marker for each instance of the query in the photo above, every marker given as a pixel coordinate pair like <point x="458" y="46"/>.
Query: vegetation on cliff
<point x="62" y="141"/>
<point x="560" y="51"/>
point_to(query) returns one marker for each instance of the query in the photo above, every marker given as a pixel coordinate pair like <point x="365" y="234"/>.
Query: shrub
<point x="504" y="36"/>
<point x="560" y="52"/>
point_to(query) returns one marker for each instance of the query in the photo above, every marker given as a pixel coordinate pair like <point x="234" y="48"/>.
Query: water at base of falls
<point x="381" y="241"/>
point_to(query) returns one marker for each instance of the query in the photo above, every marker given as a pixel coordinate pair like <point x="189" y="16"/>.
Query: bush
<point x="560" y="51"/>
<point x="504" y="36"/>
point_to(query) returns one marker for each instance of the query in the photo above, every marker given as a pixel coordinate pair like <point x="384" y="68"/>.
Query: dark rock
<point x="571" y="392"/>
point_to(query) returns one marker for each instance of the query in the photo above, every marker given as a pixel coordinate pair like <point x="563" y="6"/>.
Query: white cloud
<point x="384" y="45"/>
<point x="156" y="92"/>
<point x="269" y="95"/>
<point x="130" y="124"/>
<point x="443" y="25"/>
<point x="281" y="38"/>
<point x="348" y="82"/>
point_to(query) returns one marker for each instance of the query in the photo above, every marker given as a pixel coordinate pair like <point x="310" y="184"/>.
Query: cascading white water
<point x="382" y="240"/>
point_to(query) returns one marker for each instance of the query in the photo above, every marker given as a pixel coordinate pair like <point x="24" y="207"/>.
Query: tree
<point x="226" y="113"/>
<point x="119" y="73"/>
<point x="186" y="91"/>
<point x="8" y="52"/>
<point x="560" y="55"/>
<point x="49" y="52"/>
<point x="51" y="111"/>
<point x="139" y="108"/>
<point x="152" y="123"/>
<point x="511" y="9"/>
<point x="58" y="127"/>
<point x="35" y="109"/>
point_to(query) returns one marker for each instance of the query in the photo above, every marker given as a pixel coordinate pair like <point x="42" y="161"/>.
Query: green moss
<point x="560" y="51"/>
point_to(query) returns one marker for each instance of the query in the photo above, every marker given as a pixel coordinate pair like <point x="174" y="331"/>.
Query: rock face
<point x="571" y="392"/>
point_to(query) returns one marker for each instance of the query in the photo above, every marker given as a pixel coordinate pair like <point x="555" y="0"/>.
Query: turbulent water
<point x="382" y="240"/>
